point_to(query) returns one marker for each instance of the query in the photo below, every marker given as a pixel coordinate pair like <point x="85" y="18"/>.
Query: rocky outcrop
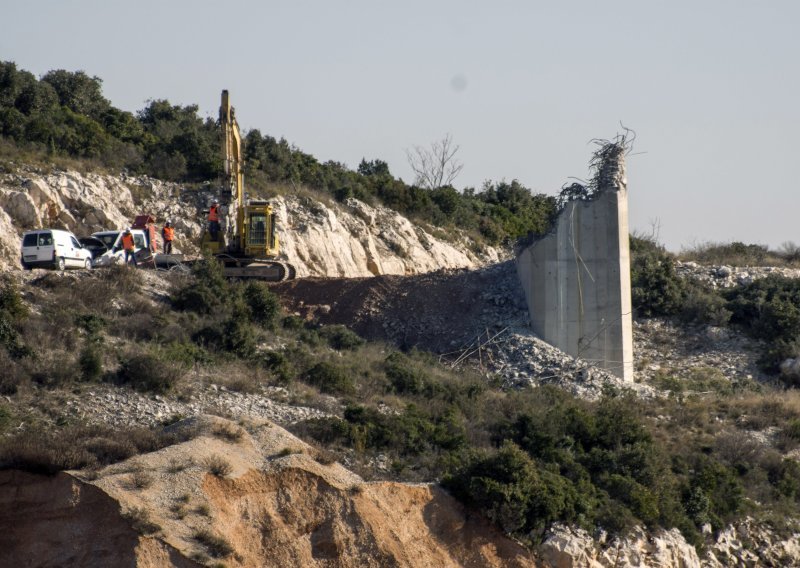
<point x="321" y="238"/>
<point x="566" y="547"/>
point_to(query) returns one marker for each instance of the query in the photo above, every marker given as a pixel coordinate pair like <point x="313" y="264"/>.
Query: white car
<point x="106" y="246"/>
<point x="53" y="248"/>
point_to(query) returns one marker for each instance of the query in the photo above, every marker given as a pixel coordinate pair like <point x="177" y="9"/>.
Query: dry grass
<point x="218" y="466"/>
<point x="141" y="479"/>
<point x="217" y="546"/>
<point x="139" y="518"/>
<point x="176" y="466"/>
<point x="229" y="432"/>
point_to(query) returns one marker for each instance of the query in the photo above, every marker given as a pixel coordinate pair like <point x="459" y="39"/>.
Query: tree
<point x="78" y="92"/>
<point x="436" y="166"/>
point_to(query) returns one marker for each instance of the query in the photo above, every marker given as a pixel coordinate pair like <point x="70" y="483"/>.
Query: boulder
<point x="20" y="206"/>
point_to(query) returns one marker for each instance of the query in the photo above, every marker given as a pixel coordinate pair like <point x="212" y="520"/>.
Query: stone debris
<point x="522" y="359"/>
<point x="729" y="276"/>
<point x="118" y="406"/>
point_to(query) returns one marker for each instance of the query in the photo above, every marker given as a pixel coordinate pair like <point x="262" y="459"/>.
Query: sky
<point x="711" y="88"/>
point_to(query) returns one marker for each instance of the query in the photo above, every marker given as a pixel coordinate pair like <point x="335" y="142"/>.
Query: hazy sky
<point x="712" y="88"/>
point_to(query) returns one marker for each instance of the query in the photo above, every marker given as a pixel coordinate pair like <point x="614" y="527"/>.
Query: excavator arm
<point x="233" y="179"/>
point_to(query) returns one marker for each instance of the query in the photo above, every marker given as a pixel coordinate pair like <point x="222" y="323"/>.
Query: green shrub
<point x="326" y="430"/>
<point x="293" y="322"/>
<point x="330" y="378"/>
<point x="768" y="309"/>
<point x="278" y="364"/>
<point x="209" y="291"/>
<point x="186" y="354"/>
<point x="90" y="363"/>
<point x="5" y="418"/>
<point x="235" y="336"/>
<point x="341" y="338"/>
<point x="792" y="429"/>
<point x="12" y="313"/>
<point x="149" y="372"/>
<point x="403" y="376"/>
<point x="656" y="290"/>
<point x="11" y="302"/>
<point x="264" y="305"/>
<point x="703" y="305"/>
<point x="513" y="491"/>
<point x="92" y="324"/>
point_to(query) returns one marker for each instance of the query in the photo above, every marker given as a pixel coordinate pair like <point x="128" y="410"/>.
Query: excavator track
<point x="256" y="268"/>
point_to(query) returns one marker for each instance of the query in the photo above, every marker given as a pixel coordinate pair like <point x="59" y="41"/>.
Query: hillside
<point x="321" y="238"/>
<point x="388" y="407"/>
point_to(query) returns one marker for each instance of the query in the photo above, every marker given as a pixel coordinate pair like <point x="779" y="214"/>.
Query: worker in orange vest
<point x="128" y="246"/>
<point x="168" y="234"/>
<point x="213" y="220"/>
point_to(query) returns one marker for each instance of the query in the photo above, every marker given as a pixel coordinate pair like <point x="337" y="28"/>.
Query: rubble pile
<point x="724" y="276"/>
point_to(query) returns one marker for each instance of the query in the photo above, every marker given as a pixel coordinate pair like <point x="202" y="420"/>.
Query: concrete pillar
<point x="577" y="281"/>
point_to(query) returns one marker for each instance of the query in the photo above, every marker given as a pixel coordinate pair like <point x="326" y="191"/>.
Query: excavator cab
<point x="259" y="237"/>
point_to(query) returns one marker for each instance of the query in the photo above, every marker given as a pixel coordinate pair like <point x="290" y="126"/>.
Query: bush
<point x="264" y="305"/>
<point x="341" y="338"/>
<point x="735" y="253"/>
<point x="513" y="491"/>
<point x="278" y="365"/>
<point x="330" y="379"/>
<point x="207" y="293"/>
<point x="404" y="378"/>
<point x="90" y="363"/>
<point x="656" y="290"/>
<point x="234" y="336"/>
<point x="769" y="310"/>
<point x="12" y="312"/>
<point x="149" y="372"/>
<point x="218" y="466"/>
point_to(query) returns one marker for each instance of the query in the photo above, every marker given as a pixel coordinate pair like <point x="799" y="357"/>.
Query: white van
<point x="53" y="248"/>
<point x="106" y="246"/>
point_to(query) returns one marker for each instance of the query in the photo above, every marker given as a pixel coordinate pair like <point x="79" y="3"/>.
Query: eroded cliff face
<point x="280" y="505"/>
<point x="351" y="239"/>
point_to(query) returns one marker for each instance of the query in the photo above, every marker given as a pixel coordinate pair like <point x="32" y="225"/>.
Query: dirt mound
<point x="440" y="311"/>
<point x="275" y="503"/>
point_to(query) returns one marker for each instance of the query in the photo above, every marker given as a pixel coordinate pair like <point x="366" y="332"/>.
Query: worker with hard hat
<point x="168" y="234"/>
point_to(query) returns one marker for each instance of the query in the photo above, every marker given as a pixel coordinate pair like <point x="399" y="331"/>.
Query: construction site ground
<point x="443" y="311"/>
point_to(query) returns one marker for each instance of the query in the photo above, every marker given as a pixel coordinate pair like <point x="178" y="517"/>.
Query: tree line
<point x="65" y="113"/>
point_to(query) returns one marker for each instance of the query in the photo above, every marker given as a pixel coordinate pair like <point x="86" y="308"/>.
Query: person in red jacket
<point x="128" y="247"/>
<point x="168" y="234"/>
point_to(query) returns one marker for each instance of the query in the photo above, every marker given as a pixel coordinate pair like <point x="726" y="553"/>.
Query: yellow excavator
<point x="243" y="236"/>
